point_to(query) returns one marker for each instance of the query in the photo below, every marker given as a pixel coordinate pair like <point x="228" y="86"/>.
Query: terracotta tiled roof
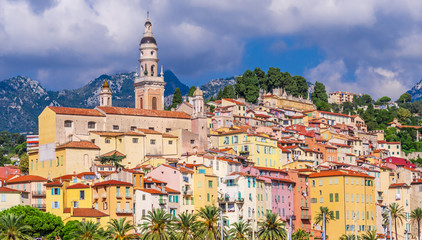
<point x="55" y="183"/>
<point x="152" y="180"/>
<point x="113" y="183"/>
<point x="234" y="101"/>
<point x="85" y="212"/>
<point x="166" y="135"/>
<point x="117" y="134"/>
<point x="270" y="169"/>
<point x="169" y="190"/>
<point x="6" y="189"/>
<point x="114" y="152"/>
<point x="77" y="186"/>
<point x="81" y="144"/>
<point x="65" y="177"/>
<point x="148" y="131"/>
<point x="337" y="114"/>
<point x="76" y="111"/>
<point x="27" y="178"/>
<point x="394" y="185"/>
<point x="143" y="112"/>
<point x="330" y="173"/>
<point x="80" y="175"/>
<point x="417" y="181"/>
<point x="153" y="191"/>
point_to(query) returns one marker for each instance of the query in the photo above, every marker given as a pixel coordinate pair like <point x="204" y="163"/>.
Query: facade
<point x="12" y="197"/>
<point x="34" y="186"/>
<point x="350" y="195"/>
<point x="340" y="97"/>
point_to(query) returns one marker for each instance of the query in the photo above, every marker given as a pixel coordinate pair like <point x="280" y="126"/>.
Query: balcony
<point x="124" y="211"/>
<point x="162" y="202"/>
<point x="38" y="193"/>
<point x="304" y="207"/>
<point x="188" y="192"/>
<point x="306" y="217"/>
<point x="380" y="198"/>
<point x="39" y="206"/>
<point x="244" y="153"/>
<point x="240" y="200"/>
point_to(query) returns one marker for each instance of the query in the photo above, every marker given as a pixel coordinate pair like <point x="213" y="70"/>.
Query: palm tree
<point x="370" y="235"/>
<point x="119" y="229"/>
<point x="209" y="222"/>
<point x="87" y="231"/>
<point x="12" y="227"/>
<point x="397" y="213"/>
<point x="416" y="216"/>
<point x="329" y="216"/>
<point x="157" y="225"/>
<point x="300" y="234"/>
<point x="240" y="230"/>
<point x="349" y="237"/>
<point x="187" y="226"/>
<point x="272" y="228"/>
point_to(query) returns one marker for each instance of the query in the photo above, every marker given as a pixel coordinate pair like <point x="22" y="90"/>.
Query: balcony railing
<point x="124" y="211"/>
<point x="304" y="207"/>
<point x="38" y="205"/>
<point x="188" y="192"/>
<point x="38" y="193"/>
<point x="306" y="217"/>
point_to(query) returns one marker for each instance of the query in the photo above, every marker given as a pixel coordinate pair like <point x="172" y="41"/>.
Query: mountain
<point x="22" y="99"/>
<point x="212" y="87"/>
<point x="416" y="91"/>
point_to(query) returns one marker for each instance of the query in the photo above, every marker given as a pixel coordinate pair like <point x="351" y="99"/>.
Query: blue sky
<point x="364" y="46"/>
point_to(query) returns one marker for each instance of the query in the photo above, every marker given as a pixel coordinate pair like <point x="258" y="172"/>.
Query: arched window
<point x="68" y="123"/>
<point x="154" y="103"/>
<point x="141" y="103"/>
<point x="152" y="70"/>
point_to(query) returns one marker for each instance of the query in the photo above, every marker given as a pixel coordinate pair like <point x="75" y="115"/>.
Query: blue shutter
<point x="52" y="191"/>
<point x="59" y="191"/>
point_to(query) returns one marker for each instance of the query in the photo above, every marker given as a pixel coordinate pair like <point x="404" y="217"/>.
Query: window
<point x="336" y="197"/>
<point x="91" y="125"/>
<point x="67" y="124"/>
<point x="105" y="205"/>
<point x="192" y="141"/>
<point x="132" y="128"/>
<point x="154" y="103"/>
<point x="208" y="197"/>
<point x="210" y="184"/>
<point x="82" y="195"/>
<point x="321" y="199"/>
<point x="75" y="204"/>
<point x="55" y="205"/>
<point x="152" y="141"/>
<point x="331" y="197"/>
<point x="134" y="140"/>
<point x="320" y="182"/>
<point x="170" y="142"/>
<point x="55" y="191"/>
<point x="115" y="127"/>
<point x="107" y="140"/>
<point x="201" y="171"/>
<point x="337" y="215"/>
<point x="3" y="197"/>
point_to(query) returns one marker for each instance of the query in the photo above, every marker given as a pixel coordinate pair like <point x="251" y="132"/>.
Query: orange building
<point x="302" y="200"/>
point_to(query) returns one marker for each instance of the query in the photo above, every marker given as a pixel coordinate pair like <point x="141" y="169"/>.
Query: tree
<point x="349" y="237"/>
<point x="397" y="214"/>
<point x="219" y="94"/>
<point x="403" y="114"/>
<point x="228" y="92"/>
<point x="262" y="79"/>
<point x="301" y="87"/>
<point x="68" y="229"/>
<point x="120" y="228"/>
<point x="272" y="227"/>
<point x="329" y="216"/>
<point x="191" y="91"/>
<point x="382" y="101"/>
<point x="208" y="219"/>
<point x="405" y="98"/>
<point x="177" y="98"/>
<point x="319" y="93"/>
<point x="370" y="235"/>
<point x="300" y="234"/>
<point x="247" y="86"/>
<point x="13" y="227"/>
<point x="273" y="79"/>
<point x="42" y="224"/>
<point x="187" y="226"/>
<point x="416" y="216"/>
<point x="157" y="225"/>
<point x="240" y="230"/>
<point x="87" y="231"/>
<point x="113" y="159"/>
<point x="24" y="163"/>
<point x="365" y="100"/>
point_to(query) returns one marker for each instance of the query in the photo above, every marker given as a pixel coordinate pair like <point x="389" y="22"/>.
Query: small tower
<point x="198" y="103"/>
<point x="149" y="87"/>
<point x="105" y="95"/>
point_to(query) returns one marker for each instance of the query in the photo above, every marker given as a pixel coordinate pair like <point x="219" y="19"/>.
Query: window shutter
<point x="59" y="191"/>
<point x="52" y="191"/>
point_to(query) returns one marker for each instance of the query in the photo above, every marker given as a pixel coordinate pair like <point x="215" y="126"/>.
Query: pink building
<point x="32" y="184"/>
<point x="9" y="170"/>
<point x="282" y="190"/>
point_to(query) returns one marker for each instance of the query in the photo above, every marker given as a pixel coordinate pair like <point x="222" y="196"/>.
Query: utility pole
<point x="323" y="226"/>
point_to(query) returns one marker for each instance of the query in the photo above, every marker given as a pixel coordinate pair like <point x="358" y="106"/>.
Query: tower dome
<point x="198" y="92"/>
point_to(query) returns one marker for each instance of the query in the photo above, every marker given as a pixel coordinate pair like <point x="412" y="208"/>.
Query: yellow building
<point x="204" y="186"/>
<point x="288" y="102"/>
<point x="73" y="201"/>
<point x="350" y="195"/>
<point x="12" y="197"/>
<point x="258" y="148"/>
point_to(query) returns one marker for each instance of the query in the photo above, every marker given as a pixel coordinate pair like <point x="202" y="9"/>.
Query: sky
<point x="362" y="46"/>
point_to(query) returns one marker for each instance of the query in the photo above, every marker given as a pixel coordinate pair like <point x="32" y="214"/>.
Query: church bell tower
<point x="149" y="86"/>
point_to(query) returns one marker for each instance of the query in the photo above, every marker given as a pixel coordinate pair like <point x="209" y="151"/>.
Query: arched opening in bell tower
<point x="141" y="103"/>
<point x="154" y="103"/>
